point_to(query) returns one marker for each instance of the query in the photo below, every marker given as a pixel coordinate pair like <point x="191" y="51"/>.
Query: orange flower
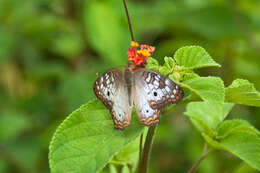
<point x="134" y="44"/>
<point x="140" y="56"/>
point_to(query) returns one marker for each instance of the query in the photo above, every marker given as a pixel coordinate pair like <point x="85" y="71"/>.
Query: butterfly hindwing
<point x="152" y="92"/>
<point x="111" y="89"/>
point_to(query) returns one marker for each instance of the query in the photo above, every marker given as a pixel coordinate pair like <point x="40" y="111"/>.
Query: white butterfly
<point x="148" y="90"/>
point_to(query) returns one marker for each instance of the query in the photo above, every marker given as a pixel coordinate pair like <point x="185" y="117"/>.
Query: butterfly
<point x="148" y="90"/>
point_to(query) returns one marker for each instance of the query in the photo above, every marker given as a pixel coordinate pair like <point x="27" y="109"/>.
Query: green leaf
<point x="189" y="76"/>
<point x="242" y="92"/>
<point x="164" y="70"/>
<point x="175" y="77"/>
<point x="231" y="126"/>
<point x="207" y="88"/>
<point x="152" y="64"/>
<point x="169" y="62"/>
<point x="206" y="116"/>
<point x="245" y="168"/>
<point x="128" y="157"/>
<point x="129" y="154"/>
<point x="244" y="145"/>
<point x="239" y="138"/>
<point x="193" y="57"/>
<point x="87" y="140"/>
<point x="212" y="142"/>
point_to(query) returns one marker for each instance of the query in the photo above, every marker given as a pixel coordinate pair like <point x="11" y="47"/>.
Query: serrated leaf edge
<point x="200" y="66"/>
<point x="63" y="123"/>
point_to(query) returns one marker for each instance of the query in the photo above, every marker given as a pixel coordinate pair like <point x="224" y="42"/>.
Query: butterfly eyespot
<point x="108" y="93"/>
<point x="155" y="94"/>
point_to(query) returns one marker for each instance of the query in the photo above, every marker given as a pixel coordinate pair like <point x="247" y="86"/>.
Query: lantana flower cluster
<point x="139" y="55"/>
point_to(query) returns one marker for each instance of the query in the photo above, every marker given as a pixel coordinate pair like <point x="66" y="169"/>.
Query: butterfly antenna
<point x="129" y="21"/>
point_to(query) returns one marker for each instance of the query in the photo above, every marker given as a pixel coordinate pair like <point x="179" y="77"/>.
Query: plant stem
<point x="129" y="21"/>
<point x="202" y="157"/>
<point x="143" y="167"/>
<point x="140" y="150"/>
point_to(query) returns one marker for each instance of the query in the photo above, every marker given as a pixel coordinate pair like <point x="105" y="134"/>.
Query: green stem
<point x="140" y="150"/>
<point x="202" y="157"/>
<point x="143" y="167"/>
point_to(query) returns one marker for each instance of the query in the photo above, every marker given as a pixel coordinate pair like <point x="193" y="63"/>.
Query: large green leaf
<point x="194" y="57"/>
<point x="242" y="92"/>
<point x="207" y="88"/>
<point x="242" y="144"/>
<point x="206" y="116"/>
<point x="239" y="138"/>
<point x="86" y="140"/>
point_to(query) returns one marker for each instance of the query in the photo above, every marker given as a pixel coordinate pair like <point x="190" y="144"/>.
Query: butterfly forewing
<point x="152" y="92"/>
<point x="111" y="89"/>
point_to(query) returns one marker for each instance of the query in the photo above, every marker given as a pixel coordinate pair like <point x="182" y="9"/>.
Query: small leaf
<point x="242" y="92"/>
<point x="206" y="116"/>
<point x="87" y="140"/>
<point x="153" y="61"/>
<point x="231" y="126"/>
<point x="175" y="76"/>
<point x="169" y="62"/>
<point x="207" y="88"/>
<point x="188" y="76"/>
<point x="152" y="64"/>
<point x="193" y="57"/>
<point x="164" y="70"/>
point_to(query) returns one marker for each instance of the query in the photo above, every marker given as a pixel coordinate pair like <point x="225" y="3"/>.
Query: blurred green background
<point x="52" y="50"/>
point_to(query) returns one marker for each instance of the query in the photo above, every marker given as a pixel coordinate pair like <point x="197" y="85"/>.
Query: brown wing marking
<point x="111" y="90"/>
<point x="153" y="120"/>
<point x="153" y="92"/>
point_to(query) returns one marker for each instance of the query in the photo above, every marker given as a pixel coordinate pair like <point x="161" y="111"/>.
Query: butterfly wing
<point x="111" y="89"/>
<point x="152" y="92"/>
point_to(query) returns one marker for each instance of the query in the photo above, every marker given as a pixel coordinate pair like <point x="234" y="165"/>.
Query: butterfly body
<point x="148" y="90"/>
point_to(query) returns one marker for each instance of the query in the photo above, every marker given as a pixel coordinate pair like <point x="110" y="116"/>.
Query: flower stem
<point x="129" y="21"/>
<point x="202" y="157"/>
<point x="140" y="150"/>
<point x="143" y="167"/>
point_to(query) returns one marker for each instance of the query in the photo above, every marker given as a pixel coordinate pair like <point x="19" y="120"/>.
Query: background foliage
<point x="50" y="52"/>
